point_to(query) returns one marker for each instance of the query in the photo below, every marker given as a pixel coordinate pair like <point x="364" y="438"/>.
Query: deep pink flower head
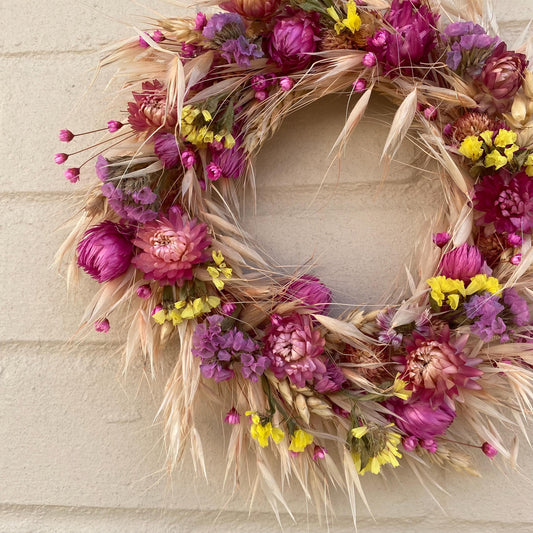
<point x="410" y="443"/>
<point x="359" y="85"/>
<point x="505" y="200"/>
<point x="105" y="252"/>
<point x="251" y="9"/>
<point x="420" y="419"/>
<point x="149" y="110"/>
<point x="66" y="136"/>
<point x="114" y="125"/>
<point x="441" y="239"/>
<point x="293" y="39"/>
<point x="144" y="292"/>
<point x="410" y="40"/>
<point x="232" y="417"/>
<point x="231" y="163"/>
<point x="501" y="78"/>
<point x="188" y="159"/>
<point x="286" y="83"/>
<point x="319" y="452"/>
<point x="294" y="348"/>
<point x="436" y="369"/>
<point x="102" y="326"/>
<point x="72" y="174"/>
<point x="166" y="148"/>
<point x="311" y="292"/>
<point x="489" y="450"/>
<point x="462" y="263"/>
<point x="60" y="158"/>
<point x="170" y="247"/>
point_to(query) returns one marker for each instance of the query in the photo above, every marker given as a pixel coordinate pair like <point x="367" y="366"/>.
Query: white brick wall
<point x="78" y="450"/>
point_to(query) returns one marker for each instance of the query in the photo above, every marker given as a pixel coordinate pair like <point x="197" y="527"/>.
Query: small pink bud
<point x="102" y="326"/>
<point x="142" y="42"/>
<point x="514" y="240"/>
<point x="370" y="60"/>
<point x="114" y="125"/>
<point x="156" y="309"/>
<point x="232" y="417"/>
<point x="286" y="83"/>
<point x="431" y="113"/>
<point x="270" y="78"/>
<point x="259" y="83"/>
<point x="158" y="36"/>
<point x="200" y="21"/>
<point x="72" y="174"/>
<point x="447" y="130"/>
<point x="319" y="453"/>
<point x="188" y="159"/>
<point x="203" y="185"/>
<point x="60" y="158"/>
<point x="261" y="95"/>
<point x="410" y="443"/>
<point x="516" y="259"/>
<point x="489" y="450"/>
<point x="359" y="85"/>
<point x="379" y="38"/>
<point x="229" y="308"/>
<point x="214" y="172"/>
<point x="429" y="444"/>
<point x="441" y="239"/>
<point x="144" y="292"/>
<point x="66" y="136"/>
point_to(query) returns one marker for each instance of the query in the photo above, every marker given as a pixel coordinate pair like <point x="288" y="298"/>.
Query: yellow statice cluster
<point x="300" y="440"/>
<point x="399" y="390"/>
<point x="498" y="153"/>
<point x="374" y="446"/>
<point x="197" y="128"/>
<point x="352" y="22"/>
<point x="219" y="270"/>
<point x="448" y="290"/>
<point x="187" y="309"/>
<point x="261" y="432"/>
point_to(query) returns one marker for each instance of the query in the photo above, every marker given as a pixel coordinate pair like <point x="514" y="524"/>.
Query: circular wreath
<point x="309" y="393"/>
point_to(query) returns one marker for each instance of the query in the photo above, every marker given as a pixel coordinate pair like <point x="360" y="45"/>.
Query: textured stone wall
<point x="79" y="450"/>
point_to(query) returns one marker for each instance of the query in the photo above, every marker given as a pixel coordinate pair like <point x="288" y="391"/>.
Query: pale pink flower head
<point x="311" y="292"/>
<point x="462" y="263"/>
<point x="436" y="369"/>
<point x="170" y="248"/>
<point x="294" y="348"/>
<point x="105" y="252"/>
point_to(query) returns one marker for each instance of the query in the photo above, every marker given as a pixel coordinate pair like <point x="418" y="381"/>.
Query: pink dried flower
<point x="359" y="85"/>
<point x="370" y="60"/>
<point x="188" y="159"/>
<point x="429" y="444"/>
<point x="200" y="21"/>
<point x="516" y="259"/>
<point x="462" y="263"/>
<point x="114" y="125"/>
<point x="441" y="239"/>
<point x="66" y="136"/>
<point x="229" y="308"/>
<point x="319" y="453"/>
<point x="60" y="158"/>
<point x="232" y="417"/>
<point x="105" y="252"/>
<point x="149" y="110"/>
<point x="144" y="292"/>
<point x="311" y="292"/>
<point x="436" y="369"/>
<point x="214" y="172"/>
<point x="294" y="348"/>
<point x="259" y="83"/>
<point x="102" y="326"/>
<point x="410" y="443"/>
<point x="252" y="9"/>
<point x="170" y="247"/>
<point x="166" y="148"/>
<point x="156" y="309"/>
<point x="431" y="113"/>
<point x="72" y="174"/>
<point x="293" y="39"/>
<point x="286" y="83"/>
<point x="514" y="240"/>
<point x="489" y="450"/>
<point x="229" y="162"/>
<point x="261" y="96"/>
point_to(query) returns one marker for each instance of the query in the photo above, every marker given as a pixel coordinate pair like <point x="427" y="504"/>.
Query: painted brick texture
<point x="79" y="450"/>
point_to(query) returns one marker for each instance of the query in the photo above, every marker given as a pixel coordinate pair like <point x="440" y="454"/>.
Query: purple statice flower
<point x="240" y="51"/>
<point x="517" y="306"/>
<point x="106" y="250"/>
<point x="227" y="163"/>
<point x="139" y="213"/>
<point x="389" y="335"/>
<point x="409" y="41"/>
<point x="484" y="310"/>
<point x="469" y="47"/>
<point x="293" y="39"/>
<point x="223" y="26"/>
<point x="102" y="170"/>
<point x="505" y="200"/>
<point x="463" y="263"/>
<point x="311" y="292"/>
<point x="218" y="349"/>
<point x="144" y="196"/>
<point x="166" y="148"/>
<point x="332" y="380"/>
<point x="420" y="419"/>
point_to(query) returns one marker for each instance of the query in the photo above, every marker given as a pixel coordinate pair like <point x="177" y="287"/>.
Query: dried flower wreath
<point x="314" y="395"/>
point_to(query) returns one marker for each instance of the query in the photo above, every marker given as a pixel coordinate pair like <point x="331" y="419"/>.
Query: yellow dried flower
<point x="471" y="147"/>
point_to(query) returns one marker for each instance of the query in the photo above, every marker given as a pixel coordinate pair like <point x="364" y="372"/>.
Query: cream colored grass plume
<point x="356" y="421"/>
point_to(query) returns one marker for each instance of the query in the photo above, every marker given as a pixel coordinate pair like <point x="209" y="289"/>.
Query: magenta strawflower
<point x="505" y="200"/>
<point x="188" y="159"/>
<point x="166" y="148"/>
<point x="370" y="60"/>
<point x="409" y="443"/>
<point x="462" y="263"/>
<point x="60" y="158"/>
<point x="200" y="21"/>
<point x="294" y="348"/>
<point x="516" y="259"/>
<point x="144" y="292"/>
<point x="489" y="450"/>
<point x="359" y="85"/>
<point x="102" y="326"/>
<point x="72" y="175"/>
<point x="227" y="162"/>
<point x="331" y="381"/>
<point x="286" y="83"/>
<point x="105" y="252"/>
<point x="214" y="172"/>
<point x="441" y="239"/>
<point x="293" y="39"/>
<point x="311" y="292"/>
<point x="232" y="417"/>
<point x="229" y="308"/>
<point x="514" y="240"/>
<point x="114" y="125"/>
<point x="66" y="136"/>
<point x="170" y="248"/>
